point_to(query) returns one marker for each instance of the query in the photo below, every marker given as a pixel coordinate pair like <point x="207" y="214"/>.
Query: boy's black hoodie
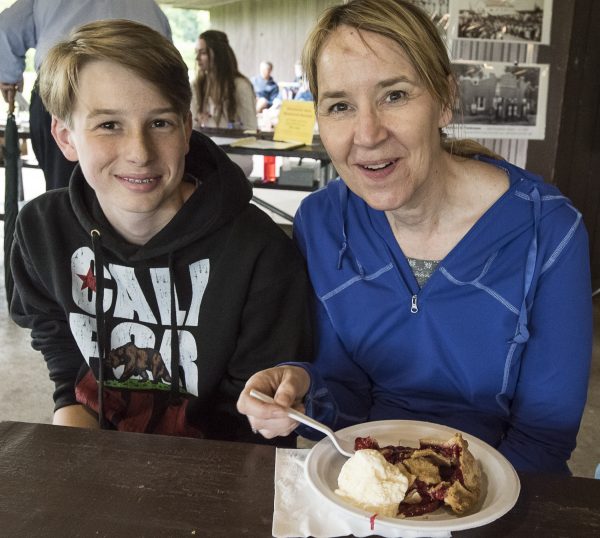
<point x="240" y="302"/>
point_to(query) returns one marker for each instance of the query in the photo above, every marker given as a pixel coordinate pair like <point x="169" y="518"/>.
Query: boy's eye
<point x="161" y="123"/>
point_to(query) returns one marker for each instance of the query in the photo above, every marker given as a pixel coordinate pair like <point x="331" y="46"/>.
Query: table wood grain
<point x="63" y="482"/>
<point x="57" y="481"/>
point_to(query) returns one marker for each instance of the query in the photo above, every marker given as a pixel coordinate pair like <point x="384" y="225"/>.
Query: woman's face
<point x="377" y="121"/>
<point x="202" y="55"/>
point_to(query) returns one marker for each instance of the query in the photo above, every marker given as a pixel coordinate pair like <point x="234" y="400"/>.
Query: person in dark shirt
<point x="152" y="286"/>
<point x="265" y="88"/>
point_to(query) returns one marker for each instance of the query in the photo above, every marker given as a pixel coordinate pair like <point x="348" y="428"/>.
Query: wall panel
<point x="272" y="30"/>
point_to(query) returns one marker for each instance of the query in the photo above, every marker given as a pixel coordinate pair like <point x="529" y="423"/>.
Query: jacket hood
<point x="494" y="231"/>
<point x="497" y="226"/>
<point x="222" y="192"/>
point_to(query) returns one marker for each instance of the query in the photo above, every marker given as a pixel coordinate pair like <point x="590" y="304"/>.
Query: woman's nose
<point x="369" y="129"/>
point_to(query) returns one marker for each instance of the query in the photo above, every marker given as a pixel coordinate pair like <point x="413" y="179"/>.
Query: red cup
<point x="269" y="175"/>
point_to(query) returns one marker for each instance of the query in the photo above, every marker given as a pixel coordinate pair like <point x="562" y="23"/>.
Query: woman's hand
<point x="288" y="386"/>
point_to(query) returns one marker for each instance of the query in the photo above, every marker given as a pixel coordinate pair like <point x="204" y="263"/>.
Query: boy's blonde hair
<point x="134" y="46"/>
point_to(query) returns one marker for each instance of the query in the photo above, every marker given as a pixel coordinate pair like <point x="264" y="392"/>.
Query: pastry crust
<point x="439" y="472"/>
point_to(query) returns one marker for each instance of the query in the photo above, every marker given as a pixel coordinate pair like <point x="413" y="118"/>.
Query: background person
<point x="265" y="87"/>
<point x="39" y="24"/>
<point x="451" y="286"/>
<point x="152" y="287"/>
<point x="222" y="96"/>
<point x="302" y="92"/>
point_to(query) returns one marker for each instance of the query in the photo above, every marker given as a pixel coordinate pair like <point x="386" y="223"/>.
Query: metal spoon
<point x="346" y="448"/>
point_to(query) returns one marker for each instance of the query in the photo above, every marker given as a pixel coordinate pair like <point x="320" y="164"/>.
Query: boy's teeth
<point x="131" y="180"/>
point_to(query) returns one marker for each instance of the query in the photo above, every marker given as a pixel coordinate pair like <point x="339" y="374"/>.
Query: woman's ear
<point x="447" y="110"/>
<point x="62" y="134"/>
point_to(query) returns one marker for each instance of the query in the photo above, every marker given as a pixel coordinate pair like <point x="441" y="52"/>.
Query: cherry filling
<point x="432" y="495"/>
<point x="362" y="443"/>
<point x="424" y="507"/>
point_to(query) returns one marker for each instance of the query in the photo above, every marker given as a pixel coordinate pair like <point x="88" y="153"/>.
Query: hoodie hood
<point x="222" y="192"/>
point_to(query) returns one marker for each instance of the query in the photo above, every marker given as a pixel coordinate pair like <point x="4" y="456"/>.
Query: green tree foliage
<point x="186" y="25"/>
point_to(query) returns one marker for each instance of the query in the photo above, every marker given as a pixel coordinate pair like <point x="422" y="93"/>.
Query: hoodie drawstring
<point x="174" y="334"/>
<point x="103" y="349"/>
<point x="100" y="321"/>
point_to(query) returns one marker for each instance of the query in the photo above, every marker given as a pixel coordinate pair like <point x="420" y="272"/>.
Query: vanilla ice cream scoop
<point x="369" y="482"/>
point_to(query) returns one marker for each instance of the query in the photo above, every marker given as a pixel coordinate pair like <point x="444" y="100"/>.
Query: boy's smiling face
<point x="130" y="143"/>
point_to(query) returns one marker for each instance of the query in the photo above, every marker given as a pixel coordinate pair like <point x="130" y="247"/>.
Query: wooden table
<point x="314" y="151"/>
<point x="57" y="481"/>
<point x="63" y="482"/>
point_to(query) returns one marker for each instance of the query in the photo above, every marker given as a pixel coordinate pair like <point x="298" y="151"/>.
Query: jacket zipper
<point x="413" y="305"/>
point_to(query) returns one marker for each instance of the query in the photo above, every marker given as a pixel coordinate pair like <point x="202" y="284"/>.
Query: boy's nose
<point x="139" y="148"/>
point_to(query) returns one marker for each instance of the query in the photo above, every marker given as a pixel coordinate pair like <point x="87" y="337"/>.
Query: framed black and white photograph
<point x="500" y="100"/>
<point x="525" y="21"/>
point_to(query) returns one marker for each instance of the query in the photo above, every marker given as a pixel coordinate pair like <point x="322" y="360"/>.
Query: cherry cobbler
<point x="439" y="473"/>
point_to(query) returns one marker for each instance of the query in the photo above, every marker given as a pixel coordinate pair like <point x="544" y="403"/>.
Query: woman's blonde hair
<point x="410" y="27"/>
<point x="134" y="46"/>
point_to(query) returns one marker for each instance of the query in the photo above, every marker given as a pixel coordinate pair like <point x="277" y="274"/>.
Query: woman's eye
<point x="338" y="107"/>
<point x="396" y="95"/>
<point x="108" y="125"/>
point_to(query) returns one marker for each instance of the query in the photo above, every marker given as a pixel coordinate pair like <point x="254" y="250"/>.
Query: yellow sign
<point x="296" y="122"/>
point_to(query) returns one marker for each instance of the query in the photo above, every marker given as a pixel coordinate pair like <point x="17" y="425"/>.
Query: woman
<point x="223" y="97"/>
<point x="452" y="287"/>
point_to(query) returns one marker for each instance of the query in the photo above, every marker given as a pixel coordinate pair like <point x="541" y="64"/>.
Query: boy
<point x="151" y="285"/>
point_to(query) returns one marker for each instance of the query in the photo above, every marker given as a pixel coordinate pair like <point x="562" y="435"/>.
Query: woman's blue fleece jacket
<point x="497" y="343"/>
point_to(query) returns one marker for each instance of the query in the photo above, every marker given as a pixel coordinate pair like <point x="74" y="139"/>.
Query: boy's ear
<point x="188" y="122"/>
<point x="62" y="135"/>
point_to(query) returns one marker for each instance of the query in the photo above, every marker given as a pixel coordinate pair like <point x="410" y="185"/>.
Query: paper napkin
<point x="299" y="511"/>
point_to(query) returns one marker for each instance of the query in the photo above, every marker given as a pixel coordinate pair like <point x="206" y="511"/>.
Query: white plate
<point x="500" y="487"/>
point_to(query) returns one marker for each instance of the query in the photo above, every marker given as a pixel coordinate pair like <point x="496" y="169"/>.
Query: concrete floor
<point x="26" y="391"/>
